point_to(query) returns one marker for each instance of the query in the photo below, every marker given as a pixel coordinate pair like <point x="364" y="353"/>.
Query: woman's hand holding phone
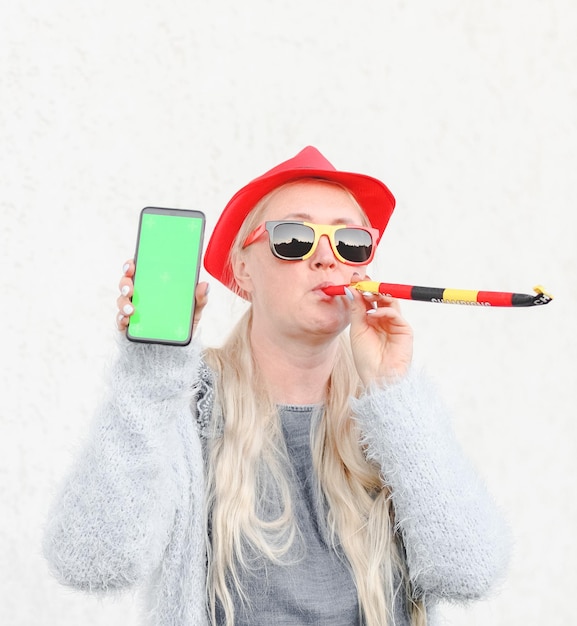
<point x="126" y="287"/>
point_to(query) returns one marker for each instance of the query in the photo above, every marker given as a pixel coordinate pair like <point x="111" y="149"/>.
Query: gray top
<point x="315" y="586"/>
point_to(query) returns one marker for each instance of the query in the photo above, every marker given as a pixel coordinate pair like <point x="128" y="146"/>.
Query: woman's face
<point x="286" y="295"/>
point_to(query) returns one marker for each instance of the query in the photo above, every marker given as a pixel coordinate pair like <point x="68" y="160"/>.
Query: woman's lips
<point x="321" y="290"/>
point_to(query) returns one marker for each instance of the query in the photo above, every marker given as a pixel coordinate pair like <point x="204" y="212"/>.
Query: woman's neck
<point x="294" y="372"/>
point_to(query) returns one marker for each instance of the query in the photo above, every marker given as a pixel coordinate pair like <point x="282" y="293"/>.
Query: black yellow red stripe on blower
<point x="443" y="295"/>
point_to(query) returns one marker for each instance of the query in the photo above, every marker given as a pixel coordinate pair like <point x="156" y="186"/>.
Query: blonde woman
<point x="302" y="473"/>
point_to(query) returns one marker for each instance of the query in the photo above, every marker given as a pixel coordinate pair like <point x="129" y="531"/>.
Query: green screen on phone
<point x="167" y="265"/>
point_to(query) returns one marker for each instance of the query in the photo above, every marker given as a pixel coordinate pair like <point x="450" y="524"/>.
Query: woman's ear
<point x="241" y="273"/>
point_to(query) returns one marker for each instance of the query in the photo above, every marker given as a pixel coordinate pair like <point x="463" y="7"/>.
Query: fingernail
<point x="125" y="268"/>
<point x="367" y="293"/>
<point x="128" y="309"/>
<point x="125" y="289"/>
<point x="370" y="311"/>
<point x="120" y="317"/>
<point x="207" y="289"/>
<point x="349" y="294"/>
<point x="374" y="305"/>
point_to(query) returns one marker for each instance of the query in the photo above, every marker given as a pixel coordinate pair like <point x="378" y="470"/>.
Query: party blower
<point x="449" y="296"/>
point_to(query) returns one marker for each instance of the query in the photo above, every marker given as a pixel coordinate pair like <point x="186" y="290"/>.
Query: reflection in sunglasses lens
<point x="293" y="241"/>
<point x="354" y="245"/>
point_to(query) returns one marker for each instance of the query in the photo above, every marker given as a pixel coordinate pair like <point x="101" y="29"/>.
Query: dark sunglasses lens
<point x="354" y="244"/>
<point x="292" y="241"/>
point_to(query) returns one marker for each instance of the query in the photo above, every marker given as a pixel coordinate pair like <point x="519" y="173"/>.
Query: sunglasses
<point x="296" y="241"/>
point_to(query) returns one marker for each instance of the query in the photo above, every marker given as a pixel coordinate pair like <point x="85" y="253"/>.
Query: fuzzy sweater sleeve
<point x="112" y="519"/>
<point x="455" y="539"/>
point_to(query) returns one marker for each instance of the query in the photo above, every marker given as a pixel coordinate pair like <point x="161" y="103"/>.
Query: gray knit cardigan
<point x="130" y="512"/>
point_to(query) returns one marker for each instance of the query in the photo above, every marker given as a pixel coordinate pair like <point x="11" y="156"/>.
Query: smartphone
<point x="167" y="259"/>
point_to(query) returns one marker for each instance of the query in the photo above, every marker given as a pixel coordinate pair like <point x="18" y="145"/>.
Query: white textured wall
<point x="465" y="109"/>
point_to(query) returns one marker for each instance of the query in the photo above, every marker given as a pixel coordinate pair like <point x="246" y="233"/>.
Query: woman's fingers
<point x="128" y="268"/>
<point x="126" y="288"/>
<point x="381" y="338"/>
<point x="123" y="302"/>
<point x="201" y="299"/>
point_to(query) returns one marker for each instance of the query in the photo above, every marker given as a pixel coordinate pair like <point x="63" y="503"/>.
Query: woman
<point x="302" y="473"/>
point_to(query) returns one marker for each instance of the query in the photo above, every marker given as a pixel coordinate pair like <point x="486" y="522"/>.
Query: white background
<point x="467" y="110"/>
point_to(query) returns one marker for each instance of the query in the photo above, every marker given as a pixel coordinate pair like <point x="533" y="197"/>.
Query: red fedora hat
<point x="372" y="195"/>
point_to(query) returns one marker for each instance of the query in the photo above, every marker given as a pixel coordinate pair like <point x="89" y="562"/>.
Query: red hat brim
<point x="373" y="196"/>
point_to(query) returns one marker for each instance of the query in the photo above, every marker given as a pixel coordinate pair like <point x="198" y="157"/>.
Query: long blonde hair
<point x="247" y="467"/>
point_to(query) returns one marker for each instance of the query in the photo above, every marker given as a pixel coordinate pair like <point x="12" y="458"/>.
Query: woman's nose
<point x="323" y="256"/>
